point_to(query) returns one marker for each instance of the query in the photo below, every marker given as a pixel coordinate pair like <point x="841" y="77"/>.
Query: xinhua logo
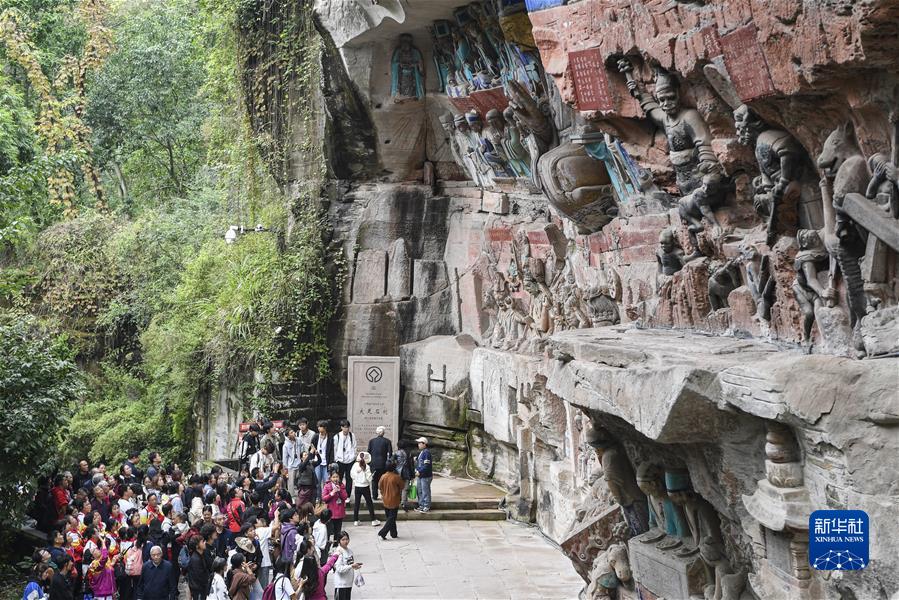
<point x="838" y="540"/>
<point x="374" y="374"/>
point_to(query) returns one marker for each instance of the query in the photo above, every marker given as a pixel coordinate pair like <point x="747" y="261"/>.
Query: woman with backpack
<point x="281" y="587"/>
<point x="134" y="558"/>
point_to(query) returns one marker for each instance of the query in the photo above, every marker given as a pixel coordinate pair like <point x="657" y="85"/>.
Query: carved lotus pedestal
<point x="782" y="512"/>
<point x="664" y="574"/>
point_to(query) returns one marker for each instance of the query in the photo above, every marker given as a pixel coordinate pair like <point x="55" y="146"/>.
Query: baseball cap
<point x="423" y="440"/>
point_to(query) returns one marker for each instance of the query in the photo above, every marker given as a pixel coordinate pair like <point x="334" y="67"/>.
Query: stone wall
<point x="639" y="262"/>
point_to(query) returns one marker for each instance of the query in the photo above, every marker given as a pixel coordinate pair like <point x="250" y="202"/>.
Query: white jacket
<point x="344" y="574"/>
<point x="361" y="478"/>
<point x="218" y="590"/>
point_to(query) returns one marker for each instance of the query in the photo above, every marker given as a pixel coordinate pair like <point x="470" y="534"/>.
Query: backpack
<point x="183" y="558"/>
<point x="269" y="592"/>
<point x="134" y="562"/>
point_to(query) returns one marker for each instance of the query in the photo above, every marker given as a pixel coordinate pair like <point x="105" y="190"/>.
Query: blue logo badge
<point x="838" y="540"/>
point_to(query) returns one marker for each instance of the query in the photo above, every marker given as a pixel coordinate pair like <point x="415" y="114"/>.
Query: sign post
<point x="373" y="396"/>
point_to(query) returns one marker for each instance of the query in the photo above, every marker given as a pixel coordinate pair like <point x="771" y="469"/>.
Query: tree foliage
<point x="38" y="385"/>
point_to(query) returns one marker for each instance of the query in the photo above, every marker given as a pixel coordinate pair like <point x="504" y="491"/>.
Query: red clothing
<point x="319" y="592"/>
<point x="235" y="514"/>
<point x="60" y="501"/>
<point x="335" y="497"/>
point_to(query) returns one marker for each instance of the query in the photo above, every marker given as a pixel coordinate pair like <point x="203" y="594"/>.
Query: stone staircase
<point x="453" y="500"/>
<point x="441" y="510"/>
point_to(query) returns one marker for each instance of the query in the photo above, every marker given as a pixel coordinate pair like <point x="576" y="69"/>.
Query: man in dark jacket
<point x="61" y="585"/>
<point x="155" y="581"/>
<point x="380" y="449"/>
<point x="198" y="576"/>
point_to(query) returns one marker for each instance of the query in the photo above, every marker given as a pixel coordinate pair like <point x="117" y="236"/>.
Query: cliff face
<point x="651" y="247"/>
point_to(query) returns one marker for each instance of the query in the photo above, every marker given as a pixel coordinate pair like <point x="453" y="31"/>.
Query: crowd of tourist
<point x="273" y="530"/>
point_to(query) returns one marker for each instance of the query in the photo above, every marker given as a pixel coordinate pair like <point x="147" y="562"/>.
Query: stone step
<point x="453" y="504"/>
<point x="434" y="515"/>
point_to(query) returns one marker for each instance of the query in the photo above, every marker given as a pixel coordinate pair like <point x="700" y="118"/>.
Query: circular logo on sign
<point x="374" y="374"/>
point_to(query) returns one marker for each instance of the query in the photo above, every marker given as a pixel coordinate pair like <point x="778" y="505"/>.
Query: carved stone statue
<point x="664" y="516"/>
<point x="407" y="71"/>
<point x="701" y="518"/>
<point x="519" y="159"/>
<point x="578" y="186"/>
<point x="486" y="150"/>
<point x="844" y="171"/>
<point x="781" y="159"/>
<point x="723" y="583"/>
<point x="495" y="134"/>
<point x="619" y="475"/>
<point x="811" y="259"/>
<point x="669" y="256"/>
<point x="700" y="177"/>
<point x="611" y="570"/>
<point x="469" y="147"/>
<point x="761" y="282"/>
<point x="531" y="116"/>
<point x="722" y="282"/>
<point x="601" y="308"/>
<point x="882" y="188"/>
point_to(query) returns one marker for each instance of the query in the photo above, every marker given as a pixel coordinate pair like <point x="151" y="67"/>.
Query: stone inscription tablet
<point x="373" y="396"/>
<point x="746" y="64"/>
<point x="591" y="84"/>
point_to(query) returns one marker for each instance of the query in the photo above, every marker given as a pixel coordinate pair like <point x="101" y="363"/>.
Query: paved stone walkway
<point x="461" y="560"/>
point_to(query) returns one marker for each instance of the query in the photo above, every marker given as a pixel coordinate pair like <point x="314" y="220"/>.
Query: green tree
<point x="38" y="385"/>
<point x="146" y="106"/>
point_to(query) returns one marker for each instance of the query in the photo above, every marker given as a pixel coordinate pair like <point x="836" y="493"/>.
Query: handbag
<point x="360" y="580"/>
<point x="412" y="494"/>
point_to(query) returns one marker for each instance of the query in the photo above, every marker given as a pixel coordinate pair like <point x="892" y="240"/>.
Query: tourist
<point x="40" y="576"/>
<point x="240" y="578"/>
<point x="361" y="476"/>
<point x="197" y="574"/>
<point x="249" y="445"/>
<point x="306" y="482"/>
<point x="424" y="475"/>
<point x="345" y="453"/>
<point x="61" y="583"/>
<point x="271" y="436"/>
<point x="262" y="536"/>
<point x="305" y="436"/>
<point x="218" y="589"/>
<point x="234" y="513"/>
<point x="290" y="458"/>
<point x="391" y="486"/>
<point x="289" y="533"/>
<point x="380" y="448"/>
<point x="344" y="568"/>
<point x="156" y="578"/>
<point x="134" y="560"/>
<point x="128" y="497"/>
<point x="283" y="587"/>
<point x="101" y="575"/>
<point x="57" y="541"/>
<point x="315" y="577"/>
<point x="405" y="470"/>
<point x="320" y="534"/>
<point x="61" y="494"/>
<point x="155" y="467"/>
<point x="325" y="451"/>
<point x="262" y="460"/>
<point x="334" y="495"/>
<point x="251" y="556"/>
<point x="131" y="463"/>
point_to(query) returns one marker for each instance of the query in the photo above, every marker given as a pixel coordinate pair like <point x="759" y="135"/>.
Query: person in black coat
<point x="61" y="586"/>
<point x="198" y="575"/>
<point x="155" y="581"/>
<point x="380" y="449"/>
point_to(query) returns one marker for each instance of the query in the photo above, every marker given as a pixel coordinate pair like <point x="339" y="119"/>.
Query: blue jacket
<point x="155" y="582"/>
<point x="423" y="464"/>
